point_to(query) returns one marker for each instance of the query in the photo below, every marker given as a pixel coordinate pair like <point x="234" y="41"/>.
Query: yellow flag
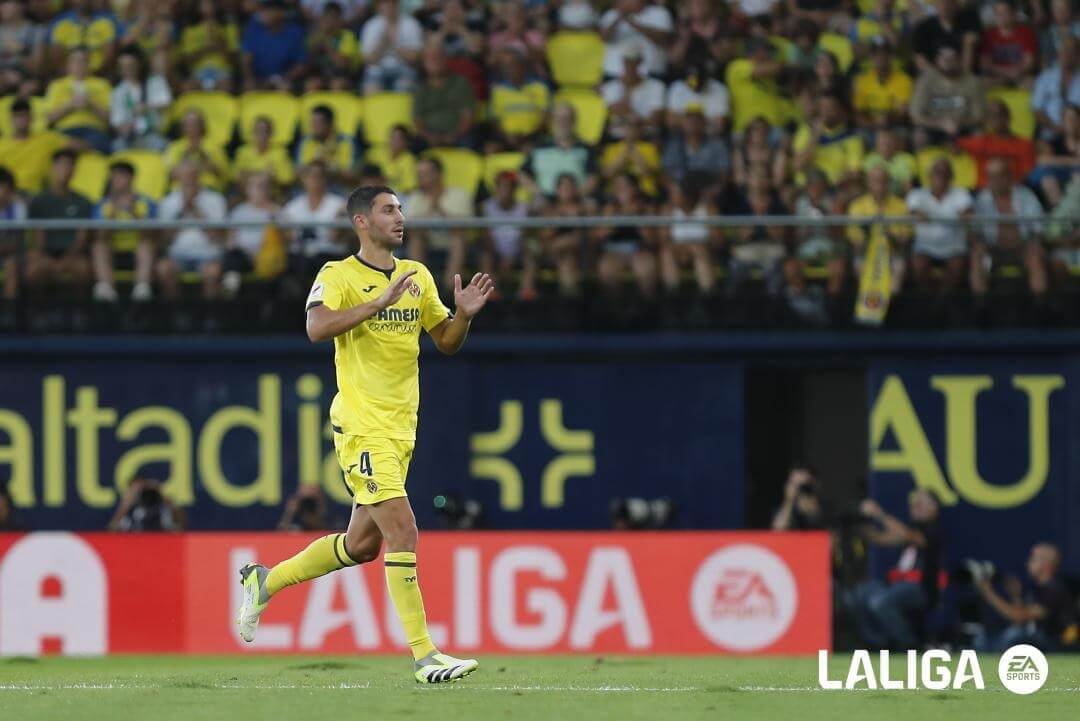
<point x="875" y="284"/>
<point x="271" y="259"/>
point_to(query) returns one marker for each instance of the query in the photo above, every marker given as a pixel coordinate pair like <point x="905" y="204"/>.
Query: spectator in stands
<point x="829" y="78"/>
<point x="312" y="247"/>
<point x="999" y="141"/>
<point x="830" y="143"/>
<point x="305" y="510"/>
<point x="1008" y="50"/>
<point x="697" y="28"/>
<point x="56" y="255"/>
<point x="801" y="54"/>
<point x="192" y="250"/>
<point x="685" y="241"/>
<point x="754" y="85"/>
<point x="509" y="248"/>
<point x="954" y="26"/>
<point x="941" y="244"/>
<point x="875" y="208"/>
<point x="899" y="164"/>
<point x="140" y="103"/>
<point x="627" y="247"/>
<point x="391" y="42"/>
<point x="12" y="208"/>
<point x="691" y="150"/>
<point x="577" y="15"/>
<point x="1002" y="243"/>
<point x="816" y="245"/>
<point x="77" y="104"/>
<point x="1064" y="233"/>
<point x="352" y="10"/>
<point x="1063" y="27"/>
<point x="145" y="508"/>
<point x="193" y="145"/>
<point x="398" y="165"/>
<point x="633" y="95"/>
<point x="801" y="509"/>
<point x="326" y="145"/>
<point x="562" y="153"/>
<point x="332" y="49"/>
<point x="245" y="243"/>
<point x="22" y="48"/>
<point x="757" y="153"/>
<point x="563" y="245"/>
<point x="883" y="22"/>
<point x="460" y="33"/>
<point x="27" y="154"/>
<point x="633" y="156"/>
<point x="152" y="28"/>
<point x="947" y="101"/>
<point x="121" y="202"/>
<point x="707" y="95"/>
<point x="1041" y="614"/>
<point x="516" y="35"/>
<point x="882" y="93"/>
<point x="442" y="250"/>
<point x="82" y="26"/>
<point x="1058" y="158"/>
<point x="210" y="48"/>
<point x="519" y="103"/>
<point x="887" y="615"/>
<point x="273" y="47"/>
<point x="263" y="156"/>
<point x="444" y="107"/>
<point x="1055" y="88"/>
<point x="639" y="27"/>
<point x="758" y="247"/>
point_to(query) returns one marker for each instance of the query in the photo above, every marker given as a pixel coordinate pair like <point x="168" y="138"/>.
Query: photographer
<point x="801" y="509"/>
<point x="305" y="511"/>
<point x="145" y="508"/>
<point x="888" y="615"/>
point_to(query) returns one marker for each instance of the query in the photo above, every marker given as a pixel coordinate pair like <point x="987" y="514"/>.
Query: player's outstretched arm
<point x="324" y="323"/>
<point x="450" y="335"/>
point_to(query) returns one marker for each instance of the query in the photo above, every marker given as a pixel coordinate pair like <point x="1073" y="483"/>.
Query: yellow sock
<point x="322" y="556"/>
<point x="409" y="604"/>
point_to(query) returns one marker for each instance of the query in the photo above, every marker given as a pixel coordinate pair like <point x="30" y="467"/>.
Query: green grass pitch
<point x="552" y="688"/>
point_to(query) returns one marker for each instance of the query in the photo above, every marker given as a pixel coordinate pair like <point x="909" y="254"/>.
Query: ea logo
<point x="743" y="597"/>
<point x="1023" y="669"/>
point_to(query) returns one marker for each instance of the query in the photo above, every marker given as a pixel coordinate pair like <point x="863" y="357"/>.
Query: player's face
<point x="386" y="222"/>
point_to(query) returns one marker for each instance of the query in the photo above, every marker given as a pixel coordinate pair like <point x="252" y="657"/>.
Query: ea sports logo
<point x="743" y="597"/>
<point x="1023" y="669"/>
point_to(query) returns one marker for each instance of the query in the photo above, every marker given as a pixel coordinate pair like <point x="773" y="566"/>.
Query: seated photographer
<point x="305" y="511"/>
<point x="887" y="614"/>
<point x="145" y="508"/>
<point x="1041" y="614"/>
<point x="801" y="509"/>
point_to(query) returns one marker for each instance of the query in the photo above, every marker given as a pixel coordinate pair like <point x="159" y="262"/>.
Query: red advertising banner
<point x="488" y="592"/>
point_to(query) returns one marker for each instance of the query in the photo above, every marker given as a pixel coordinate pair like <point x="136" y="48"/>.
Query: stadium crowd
<point x="256" y="111"/>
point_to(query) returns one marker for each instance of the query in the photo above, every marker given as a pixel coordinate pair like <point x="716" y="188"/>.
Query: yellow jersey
<point x="378" y="374"/>
<point x="867" y="208"/>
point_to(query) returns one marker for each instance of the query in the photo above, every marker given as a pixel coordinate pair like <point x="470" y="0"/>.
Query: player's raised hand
<point x="397" y="289"/>
<point x="470" y="299"/>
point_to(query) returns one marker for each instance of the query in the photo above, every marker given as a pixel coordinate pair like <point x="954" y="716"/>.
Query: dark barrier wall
<point x="542" y="440"/>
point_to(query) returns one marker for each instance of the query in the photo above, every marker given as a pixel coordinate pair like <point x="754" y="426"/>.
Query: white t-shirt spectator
<point x="577" y="15"/>
<point x="315" y="241"/>
<point x="655" y="17"/>
<point x="1024" y="204"/>
<point x="714" y="98"/>
<point x="194" y="244"/>
<point x="410" y="36"/>
<point x="507" y="238"/>
<point x="250" y="238"/>
<point x="453" y="203"/>
<point x="939" y="240"/>
<point x="646" y="98"/>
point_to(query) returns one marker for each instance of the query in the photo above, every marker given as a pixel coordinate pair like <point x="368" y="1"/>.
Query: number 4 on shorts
<point x="365" y="464"/>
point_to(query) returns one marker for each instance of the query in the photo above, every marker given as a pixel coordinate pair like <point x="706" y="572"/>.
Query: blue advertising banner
<point x="993" y="439"/>
<point x="540" y="443"/>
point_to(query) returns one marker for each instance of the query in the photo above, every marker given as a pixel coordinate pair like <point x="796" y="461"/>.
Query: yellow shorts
<point x="374" y="468"/>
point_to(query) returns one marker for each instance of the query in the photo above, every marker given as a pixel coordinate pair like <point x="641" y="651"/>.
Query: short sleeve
<point x="432" y="310"/>
<point x="913" y="201"/>
<point x="326" y="290"/>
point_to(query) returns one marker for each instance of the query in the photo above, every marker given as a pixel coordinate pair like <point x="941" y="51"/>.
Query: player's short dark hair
<point x="325" y="111"/>
<point x="63" y="153"/>
<point x="361" y="199"/>
<point x="6" y="178"/>
<point x="123" y="166"/>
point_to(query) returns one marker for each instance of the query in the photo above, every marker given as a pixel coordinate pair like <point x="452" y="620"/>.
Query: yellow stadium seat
<point x="283" y="109"/>
<point x="382" y="111"/>
<point x="591" y="113"/>
<point x="91" y="175"/>
<point x="496" y="163"/>
<point x="151" y="178"/>
<point x="220" y="110"/>
<point x="348" y="111"/>
<point x="576" y="58"/>
<point x="964" y="167"/>
<point x="1021" y="116"/>
<point x="38" y="123"/>
<point x="462" y="168"/>
<point x="840" y="47"/>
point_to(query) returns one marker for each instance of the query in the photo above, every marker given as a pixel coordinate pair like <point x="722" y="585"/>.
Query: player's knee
<point x="363" y="550"/>
<point x="402" y="537"/>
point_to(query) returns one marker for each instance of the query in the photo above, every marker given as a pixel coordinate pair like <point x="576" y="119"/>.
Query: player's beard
<point x="386" y="239"/>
